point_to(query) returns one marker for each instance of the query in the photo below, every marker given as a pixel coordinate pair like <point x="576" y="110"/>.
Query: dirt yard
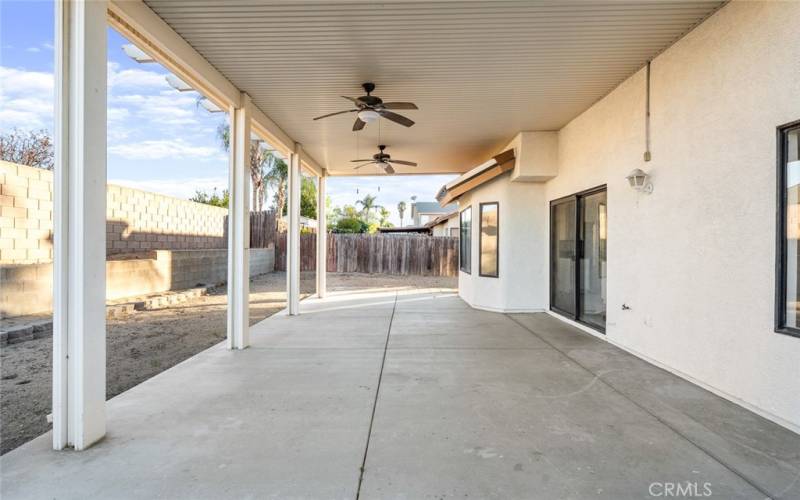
<point x="148" y="342"/>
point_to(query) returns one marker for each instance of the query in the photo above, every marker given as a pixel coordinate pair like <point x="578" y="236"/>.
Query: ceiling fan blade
<point x="336" y="113"/>
<point x="366" y="159"/>
<point x="402" y="120"/>
<point x="358" y="125"/>
<point x="400" y="105"/>
<point x="353" y="99"/>
<point x="362" y="165"/>
<point x="388" y="169"/>
<point x="402" y="162"/>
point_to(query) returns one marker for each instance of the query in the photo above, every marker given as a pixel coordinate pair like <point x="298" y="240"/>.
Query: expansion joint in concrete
<point x="375" y="401"/>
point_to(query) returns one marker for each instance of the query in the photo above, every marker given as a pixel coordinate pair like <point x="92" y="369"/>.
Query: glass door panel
<point x="562" y="251"/>
<point x="592" y="262"/>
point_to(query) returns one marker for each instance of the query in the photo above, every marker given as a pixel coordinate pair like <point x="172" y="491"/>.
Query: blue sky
<point x="158" y="138"/>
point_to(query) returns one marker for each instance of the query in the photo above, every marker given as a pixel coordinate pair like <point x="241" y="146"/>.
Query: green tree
<point x="212" y="198"/>
<point x="350" y="225"/>
<point x="384" y="218"/>
<point x="330" y="213"/>
<point x="266" y="169"/>
<point x="276" y="177"/>
<point x="308" y="198"/>
<point x="367" y="205"/>
<point x="347" y="211"/>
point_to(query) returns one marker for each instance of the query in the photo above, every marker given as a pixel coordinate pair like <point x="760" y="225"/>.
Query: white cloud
<point x="117" y="114"/>
<point x="26" y="99"/>
<point x="163" y="149"/>
<point x="134" y="78"/>
<point x="29" y="81"/>
<point x="183" y="188"/>
<point x="168" y="109"/>
<point x="33" y="49"/>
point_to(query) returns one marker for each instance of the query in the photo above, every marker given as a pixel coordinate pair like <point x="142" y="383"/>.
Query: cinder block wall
<point x="28" y="289"/>
<point x="136" y="220"/>
<point x="26" y="214"/>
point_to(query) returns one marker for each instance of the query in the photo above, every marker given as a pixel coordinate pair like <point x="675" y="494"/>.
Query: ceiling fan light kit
<point x="368" y="115"/>
<point x="382" y="160"/>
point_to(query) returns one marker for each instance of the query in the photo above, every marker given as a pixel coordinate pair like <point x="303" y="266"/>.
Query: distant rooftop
<point x="433" y="207"/>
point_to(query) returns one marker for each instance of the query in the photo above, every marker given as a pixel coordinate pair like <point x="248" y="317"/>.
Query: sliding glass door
<point x="562" y="256"/>
<point x="578" y="236"/>
<point x="592" y="279"/>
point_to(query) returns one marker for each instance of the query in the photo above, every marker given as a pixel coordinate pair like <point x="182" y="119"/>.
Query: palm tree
<point x="384" y="220"/>
<point x="401" y="209"/>
<point x="266" y="169"/>
<point x="367" y="204"/>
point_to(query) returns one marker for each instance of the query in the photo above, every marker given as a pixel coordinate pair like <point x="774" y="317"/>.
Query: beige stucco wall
<point x="135" y="220"/>
<point x="446" y="228"/>
<point x="695" y="260"/>
<point x="522" y="266"/>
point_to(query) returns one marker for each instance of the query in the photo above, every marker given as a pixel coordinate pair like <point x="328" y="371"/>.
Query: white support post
<point x="239" y="227"/>
<point x="322" y="238"/>
<point x="79" y="225"/>
<point x="293" y="235"/>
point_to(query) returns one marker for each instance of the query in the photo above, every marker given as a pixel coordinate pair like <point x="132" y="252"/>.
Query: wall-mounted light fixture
<point x="640" y="181"/>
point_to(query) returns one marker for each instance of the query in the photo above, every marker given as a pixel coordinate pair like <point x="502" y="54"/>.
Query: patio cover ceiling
<point x="479" y="71"/>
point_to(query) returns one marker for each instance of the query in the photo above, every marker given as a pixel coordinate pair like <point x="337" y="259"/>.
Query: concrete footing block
<point x="42" y="328"/>
<point x="19" y="334"/>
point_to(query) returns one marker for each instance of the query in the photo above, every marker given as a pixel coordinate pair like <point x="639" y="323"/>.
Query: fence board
<point x="387" y="254"/>
<point x="263" y="228"/>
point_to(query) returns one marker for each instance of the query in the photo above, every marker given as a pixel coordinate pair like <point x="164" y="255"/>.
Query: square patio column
<point x="293" y="235"/>
<point x="239" y="227"/>
<point x="322" y="238"/>
<point x="79" y="225"/>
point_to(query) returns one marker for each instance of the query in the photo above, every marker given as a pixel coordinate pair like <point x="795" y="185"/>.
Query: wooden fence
<point x="308" y="252"/>
<point x="410" y="254"/>
<point x="262" y="229"/>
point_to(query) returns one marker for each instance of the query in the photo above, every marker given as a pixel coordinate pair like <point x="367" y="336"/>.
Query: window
<point x="453" y="232"/>
<point x="788" y="281"/>
<point x="488" y="240"/>
<point x="465" y="242"/>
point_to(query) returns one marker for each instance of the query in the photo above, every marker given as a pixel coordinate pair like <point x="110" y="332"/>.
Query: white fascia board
<point x="470" y="173"/>
<point x="310" y="165"/>
<point x="264" y="127"/>
<point x="271" y="132"/>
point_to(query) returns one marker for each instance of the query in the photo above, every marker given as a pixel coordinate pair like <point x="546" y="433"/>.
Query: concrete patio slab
<point x="520" y="424"/>
<point x="470" y="404"/>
